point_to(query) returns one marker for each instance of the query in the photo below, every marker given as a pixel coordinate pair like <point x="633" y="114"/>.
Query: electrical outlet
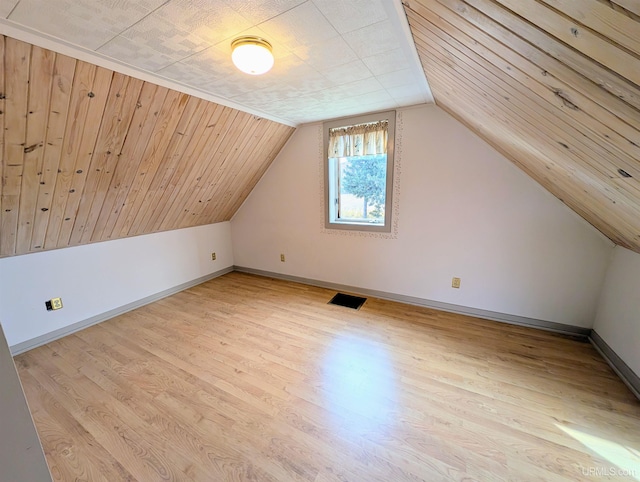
<point x="455" y="283"/>
<point x="282" y="257"/>
<point x="213" y="256"/>
<point x="53" y="304"/>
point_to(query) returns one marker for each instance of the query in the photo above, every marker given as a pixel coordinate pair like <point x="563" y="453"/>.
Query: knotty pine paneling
<point x="89" y="154"/>
<point x="553" y="85"/>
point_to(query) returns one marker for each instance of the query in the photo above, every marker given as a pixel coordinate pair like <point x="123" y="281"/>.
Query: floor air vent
<point x="348" y="301"/>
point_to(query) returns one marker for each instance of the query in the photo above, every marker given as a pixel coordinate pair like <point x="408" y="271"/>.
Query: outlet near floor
<point x="455" y="283"/>
<point x="53" y="304"/>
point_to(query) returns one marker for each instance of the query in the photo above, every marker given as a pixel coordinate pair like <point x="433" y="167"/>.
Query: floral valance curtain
<point x="359" y="140"/>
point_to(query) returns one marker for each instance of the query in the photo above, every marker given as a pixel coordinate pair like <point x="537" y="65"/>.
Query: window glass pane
<point x="362" y="194"/>
<point x="359" y="172"/>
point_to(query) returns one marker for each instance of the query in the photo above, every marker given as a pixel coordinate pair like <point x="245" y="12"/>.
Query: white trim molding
<point x="26" y="34"/>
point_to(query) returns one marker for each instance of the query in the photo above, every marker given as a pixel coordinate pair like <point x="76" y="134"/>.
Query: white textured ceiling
<point x="332" y="57"/>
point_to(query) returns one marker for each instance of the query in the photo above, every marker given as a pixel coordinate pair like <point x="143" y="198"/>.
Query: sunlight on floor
<point x="625" y="460"/>
<point x="359" y="379"/>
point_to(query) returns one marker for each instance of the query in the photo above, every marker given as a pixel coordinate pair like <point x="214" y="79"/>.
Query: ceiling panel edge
<point x="48" y="42"/>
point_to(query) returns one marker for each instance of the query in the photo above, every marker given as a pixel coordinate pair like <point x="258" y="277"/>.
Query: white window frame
<point x="330" y="175"/>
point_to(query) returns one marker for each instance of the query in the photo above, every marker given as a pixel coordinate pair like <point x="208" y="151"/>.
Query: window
<point x="359" y="172"/>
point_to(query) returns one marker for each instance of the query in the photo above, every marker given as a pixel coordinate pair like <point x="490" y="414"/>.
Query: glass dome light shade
<point x="252" y="55"/>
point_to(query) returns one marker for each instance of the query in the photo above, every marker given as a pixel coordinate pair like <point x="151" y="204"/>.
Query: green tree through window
<point x="359" y="172"/>
<point x="365" y="178"/>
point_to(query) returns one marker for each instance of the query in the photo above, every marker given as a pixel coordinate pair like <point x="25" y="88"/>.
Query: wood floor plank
<point x="250" y="378"/>
<point x="86" y="461"/>
<point x="112" y="424"/>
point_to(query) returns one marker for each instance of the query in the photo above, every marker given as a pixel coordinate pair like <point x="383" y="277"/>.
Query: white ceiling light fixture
<point x="252" y="55"/>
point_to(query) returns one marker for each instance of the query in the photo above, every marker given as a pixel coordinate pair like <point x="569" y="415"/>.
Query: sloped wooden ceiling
<point x="90" y="155"/>
<point x="552" y="84"/>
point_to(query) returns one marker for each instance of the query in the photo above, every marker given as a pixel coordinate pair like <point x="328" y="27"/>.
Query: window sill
<point x="358" y="226"/>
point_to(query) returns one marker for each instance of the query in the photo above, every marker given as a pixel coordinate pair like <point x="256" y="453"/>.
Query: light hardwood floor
<point x="249" y="378"/>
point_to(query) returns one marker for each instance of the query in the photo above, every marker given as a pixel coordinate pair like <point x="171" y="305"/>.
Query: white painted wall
<point x="21" y="454"/>
<point x="96" y="278"/>
<point x="618" y="316"/>
<point x="465" y="211"/>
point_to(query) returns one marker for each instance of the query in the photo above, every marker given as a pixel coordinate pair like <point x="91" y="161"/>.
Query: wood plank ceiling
<point x="91" y="155"/>
<point x="552" y="84"/>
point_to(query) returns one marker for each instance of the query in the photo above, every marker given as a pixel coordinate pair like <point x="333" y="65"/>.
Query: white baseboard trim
<point x="67" y="330"/>
<point x="626" y="374"/>
<point x="571" y="330"/>
<point x="618" y="365"/>
<point x="438" y="305"/>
